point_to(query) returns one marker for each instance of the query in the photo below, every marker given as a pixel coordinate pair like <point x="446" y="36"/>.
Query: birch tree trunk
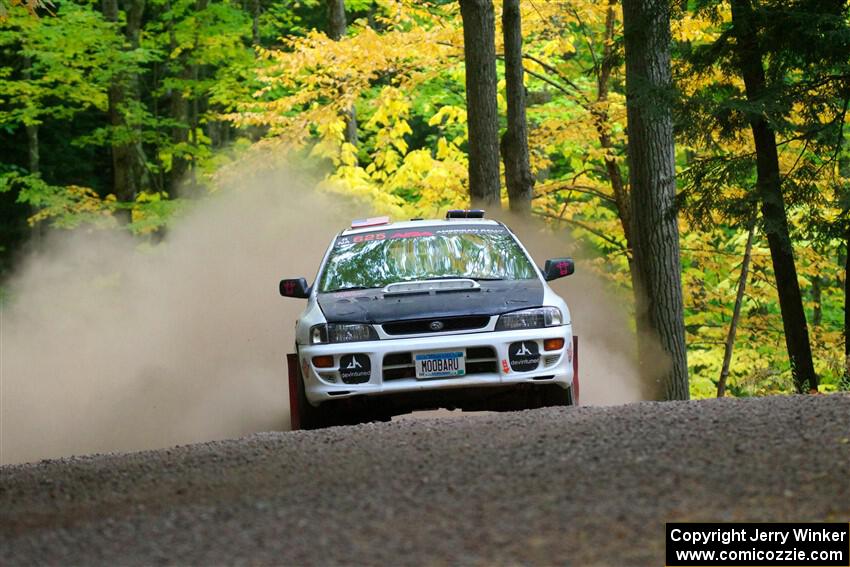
<point x="655" y="228"/>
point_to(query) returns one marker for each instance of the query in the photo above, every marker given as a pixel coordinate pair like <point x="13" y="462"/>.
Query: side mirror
<point x="296" y="287"/>
<point x="558" y="268"/>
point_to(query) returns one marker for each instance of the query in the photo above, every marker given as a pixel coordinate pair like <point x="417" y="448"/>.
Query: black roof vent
<point x="465" y="214"/>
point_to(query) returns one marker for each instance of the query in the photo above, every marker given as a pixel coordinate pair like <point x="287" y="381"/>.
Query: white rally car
<point x="428" y="314"/>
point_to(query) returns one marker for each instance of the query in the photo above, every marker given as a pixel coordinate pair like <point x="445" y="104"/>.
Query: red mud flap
<point x="575" y="370"/>
<point x="294" y="410"/>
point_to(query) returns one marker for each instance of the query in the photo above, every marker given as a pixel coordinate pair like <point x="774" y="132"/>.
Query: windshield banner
<point x="416" y="233"/>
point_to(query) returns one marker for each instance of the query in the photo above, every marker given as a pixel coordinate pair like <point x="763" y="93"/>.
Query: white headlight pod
<point x="530" y="319"/>
<point x="341" y="333"/>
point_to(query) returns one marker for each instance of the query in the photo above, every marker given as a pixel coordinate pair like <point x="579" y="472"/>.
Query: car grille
<point x="479" y="360"/>
<point x="419" y="326"/>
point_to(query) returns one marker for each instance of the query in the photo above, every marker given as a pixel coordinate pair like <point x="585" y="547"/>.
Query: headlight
<point x="341" y="333"/>
<point x="530" y="319"/>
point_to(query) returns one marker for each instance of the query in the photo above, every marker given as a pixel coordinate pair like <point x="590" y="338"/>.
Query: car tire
<point x="311" y="417"/>
<point x="329" y="414"/>
<point x="553" y="395"/>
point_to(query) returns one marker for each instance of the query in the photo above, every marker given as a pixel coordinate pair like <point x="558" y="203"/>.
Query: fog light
<point x="326" y="361"/>
<point x="553" y="344"/>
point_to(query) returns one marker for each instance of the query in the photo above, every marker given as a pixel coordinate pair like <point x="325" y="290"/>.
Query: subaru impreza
<point x="427" y="314"/>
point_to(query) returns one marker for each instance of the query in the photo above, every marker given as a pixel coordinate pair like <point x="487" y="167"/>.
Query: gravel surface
<point x="578" y="486"/>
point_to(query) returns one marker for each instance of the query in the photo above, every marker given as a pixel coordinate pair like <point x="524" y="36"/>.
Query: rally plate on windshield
<point x="446" y="364"/>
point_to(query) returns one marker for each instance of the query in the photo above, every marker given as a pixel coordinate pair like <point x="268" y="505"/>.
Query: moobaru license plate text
<point x="440" y="364"/>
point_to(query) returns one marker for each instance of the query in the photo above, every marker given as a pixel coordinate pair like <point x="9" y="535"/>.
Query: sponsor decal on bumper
<point x="524" y="356"/>
<point x="355" y="368"/>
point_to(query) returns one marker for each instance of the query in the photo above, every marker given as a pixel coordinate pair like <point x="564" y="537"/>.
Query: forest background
<point x="118" y="115"/>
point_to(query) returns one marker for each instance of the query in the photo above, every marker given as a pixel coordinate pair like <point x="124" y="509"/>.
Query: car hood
<point x="373" y="306"/>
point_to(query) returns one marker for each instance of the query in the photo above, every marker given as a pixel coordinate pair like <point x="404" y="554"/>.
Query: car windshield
<point x="376" y="259"/>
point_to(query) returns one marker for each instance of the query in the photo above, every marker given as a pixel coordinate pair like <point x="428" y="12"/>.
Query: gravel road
<point x="581" y="486"/>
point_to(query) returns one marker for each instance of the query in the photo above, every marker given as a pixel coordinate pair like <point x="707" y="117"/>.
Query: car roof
<point x="420" y="224"/>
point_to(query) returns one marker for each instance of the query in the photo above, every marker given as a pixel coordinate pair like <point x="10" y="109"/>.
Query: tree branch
<point x="589" y="229"/>
<point x="560" y="75"/>
<point x="578" y="188"/>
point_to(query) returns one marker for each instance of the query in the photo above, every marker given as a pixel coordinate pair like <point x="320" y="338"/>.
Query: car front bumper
<point x="488" y="363"/>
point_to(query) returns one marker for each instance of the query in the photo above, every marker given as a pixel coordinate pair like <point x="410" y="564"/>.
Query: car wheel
<point x="311" y="417"/>
<point x="554" y="395"/>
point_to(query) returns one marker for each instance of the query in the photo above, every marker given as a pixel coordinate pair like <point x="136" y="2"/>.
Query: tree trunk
<point x="769" y="187"/>
<point x="350" y="116"/>
<point x="846" y="380"/>
<point x="178" y="108"/>
<point x="34" y="164"/>
<point x="736" y="314"/>
<point x="817" y="298"/>
<point x="33" y="149"/>
<point x="518" y="176"/>
<point x="337" y="28"/>
<point x="125" y="167"/>
<point x="197" y="73"/>
<point x="844" y="170"/>
<point x="122" y="181"/>
<point x="655" y="228"/>
<point x="255" y="23"/>
<point x="479" y="48"/>
<point x="336" y="19"/>
<point x="193" y="125"/>
<point x="33" y="155"/>
<point x="135" y="10"/>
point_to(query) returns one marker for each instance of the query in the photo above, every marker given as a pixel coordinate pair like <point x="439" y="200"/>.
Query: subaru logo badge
<point x="436" y="325"/>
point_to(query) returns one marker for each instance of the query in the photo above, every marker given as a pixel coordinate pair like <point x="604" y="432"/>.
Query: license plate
<point x="440" y="364"/>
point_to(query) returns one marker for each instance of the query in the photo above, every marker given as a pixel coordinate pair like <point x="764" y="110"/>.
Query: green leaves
<point x="201" y="87"/>
<point x="67" y="61"/>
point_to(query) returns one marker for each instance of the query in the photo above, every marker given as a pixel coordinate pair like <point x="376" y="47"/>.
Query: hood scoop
<point x="431" y="287"/>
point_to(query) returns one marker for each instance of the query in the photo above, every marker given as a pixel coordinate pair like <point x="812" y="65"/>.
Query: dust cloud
<point x="608" y="364"/>
<point x="106" y="345"/>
